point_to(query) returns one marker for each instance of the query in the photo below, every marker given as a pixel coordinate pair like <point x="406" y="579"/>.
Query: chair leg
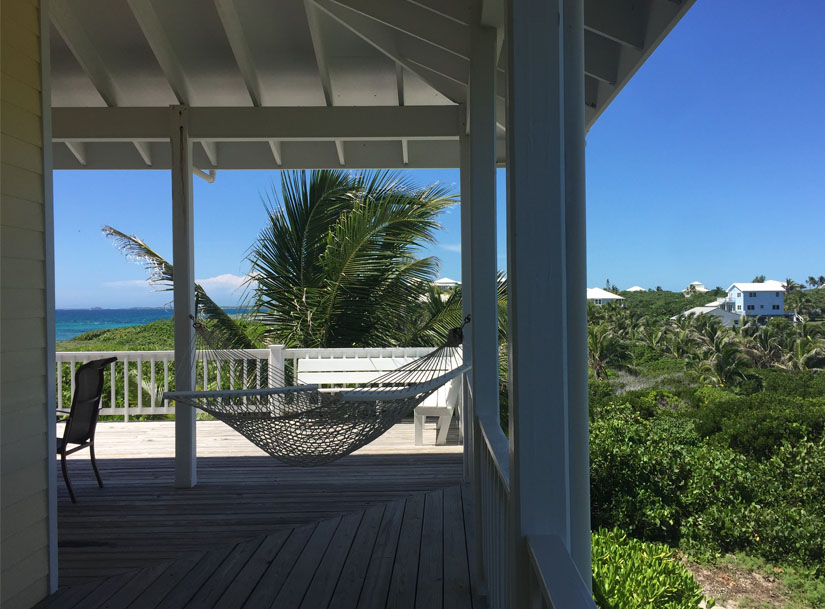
<point x="66" y="476"/>
<point x="94" y="465"/>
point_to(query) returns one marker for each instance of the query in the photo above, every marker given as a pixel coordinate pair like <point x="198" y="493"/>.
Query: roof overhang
<point x="300" y="83"/>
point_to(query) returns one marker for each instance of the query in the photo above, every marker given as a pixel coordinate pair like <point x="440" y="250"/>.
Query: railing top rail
<point x="560" y="581"/>
<point x="498" y="446"/>
<point x="65" y="356"/>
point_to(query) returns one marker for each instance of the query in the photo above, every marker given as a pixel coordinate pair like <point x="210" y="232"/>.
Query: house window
<point x="775" y="307"/>
<point x="777" y="294"/>
<point x="752" y="294"/>
<point x="761" y="306"/>
<point x="739" y="294"/>
<point x="750" y="307"/>
<point x="738" y="307"/>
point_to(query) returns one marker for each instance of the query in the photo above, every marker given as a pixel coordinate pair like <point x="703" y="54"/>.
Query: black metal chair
<point x="82" y="418"/>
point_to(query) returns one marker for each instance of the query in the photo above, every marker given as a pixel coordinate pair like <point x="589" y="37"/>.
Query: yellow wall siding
<point x="24" y="418"/>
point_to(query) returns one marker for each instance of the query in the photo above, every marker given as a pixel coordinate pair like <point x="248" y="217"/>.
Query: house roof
<point x="771" y="285"/>
<point x="600" y="294"/>
<point x="635" y="288"/>
<point x="446" y="282"/>
<point x="299" y="83"/>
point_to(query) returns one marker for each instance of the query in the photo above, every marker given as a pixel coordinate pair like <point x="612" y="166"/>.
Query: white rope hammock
<point x="310" y="425"/>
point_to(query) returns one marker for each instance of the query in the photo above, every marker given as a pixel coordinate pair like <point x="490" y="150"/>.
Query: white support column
<point x="483" y="259"/>
<point x="544" y="337"/>
<point x="468" y="410"/>
<point x="183" y="252"/>
<point x="576" y="252"/>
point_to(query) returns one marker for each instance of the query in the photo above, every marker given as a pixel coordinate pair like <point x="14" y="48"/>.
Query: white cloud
<point x="451" y="247"/>
<point x="226" y="281"/>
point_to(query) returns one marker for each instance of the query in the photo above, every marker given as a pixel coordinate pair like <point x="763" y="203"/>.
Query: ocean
<point x="73" y="322"/>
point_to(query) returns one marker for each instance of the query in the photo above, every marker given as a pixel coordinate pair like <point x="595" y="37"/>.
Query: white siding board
<point x="21" y="183"/>
<point x="21" y="40"/>
<point x="20" y="154"/>
<point x="21" y="538"/>
<point x="19" y="428"/>
<point x="22" y="303"/>
<point x="23" y="394"/>
<point x="21" y="14"/>
<point x="20" y="123"/>
<point x="22" y="273"/>
<point x="25" y="512"/>
<point x="32" y="568"/>
<point x="18" y="365"/>
<point x="26" y="481"/>
<point x="21" y="243"/>
<point x="19" y="93"/>
<point x="27" y="597"/>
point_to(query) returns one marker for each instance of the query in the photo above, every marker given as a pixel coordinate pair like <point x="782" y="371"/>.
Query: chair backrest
<point x="88" y="387"/>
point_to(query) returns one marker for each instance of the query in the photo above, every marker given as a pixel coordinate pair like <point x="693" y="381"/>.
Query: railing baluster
<point x="152" y="383"/>
<point x="125" y="389"/>
<point x="139" y="384"/>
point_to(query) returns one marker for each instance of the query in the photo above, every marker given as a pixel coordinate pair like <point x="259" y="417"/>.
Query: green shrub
<point x="638" y="471"/>
<point x="758" y="424"/>
<point x="635" y="575"/>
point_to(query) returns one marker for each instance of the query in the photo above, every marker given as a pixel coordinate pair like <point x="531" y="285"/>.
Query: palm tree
<point x="335" y="265"/>
<point x="790" y="285"/>
<point x="605" y="350"/>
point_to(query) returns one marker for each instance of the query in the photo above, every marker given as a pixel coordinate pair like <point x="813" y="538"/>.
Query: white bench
<point x="338" y="372"/>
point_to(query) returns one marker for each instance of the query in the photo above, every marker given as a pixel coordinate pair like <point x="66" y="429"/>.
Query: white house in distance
<point x="635" y="288"/>
<point x="446" y="282"/>
<point x="698" y="286"/>
<point x="754" y="299"/>
<point x="598" y="296"/>
<point x="716" y="308"/>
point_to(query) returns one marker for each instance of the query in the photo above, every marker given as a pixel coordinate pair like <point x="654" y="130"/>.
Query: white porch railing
<point x="554" y="580"/>
<point x="135" y="382"/>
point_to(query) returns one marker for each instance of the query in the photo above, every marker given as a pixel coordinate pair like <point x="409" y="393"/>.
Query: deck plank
<point x="306" y="566"/>
<point x="351" y="581"/>
<point x="377" y="580"/>
<point x="405" y="570"/>
<point x="430" y="582"/>
<point x="457" y="591"/>
<point x="271" y="582"/>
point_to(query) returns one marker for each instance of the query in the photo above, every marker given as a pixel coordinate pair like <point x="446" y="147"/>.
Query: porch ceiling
<point x="302" y="56"/>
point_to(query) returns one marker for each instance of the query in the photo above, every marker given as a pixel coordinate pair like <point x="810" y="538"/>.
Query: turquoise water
<point x="73" y="322"/>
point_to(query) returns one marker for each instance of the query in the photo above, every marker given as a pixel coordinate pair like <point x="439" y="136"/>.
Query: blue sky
<point x="708" y="166"/>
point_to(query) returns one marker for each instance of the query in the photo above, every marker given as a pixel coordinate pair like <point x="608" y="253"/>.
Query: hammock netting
<point x="305" y="425"/>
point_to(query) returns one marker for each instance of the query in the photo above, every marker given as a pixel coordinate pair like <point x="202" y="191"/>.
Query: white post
<point x="275" y="376"/>
<point x="544" y="337"/>
<point x="468" y="411"/>
<point x="575" y="203"/>
<point x="183" y="251"/>
<point x="483" y="262"/>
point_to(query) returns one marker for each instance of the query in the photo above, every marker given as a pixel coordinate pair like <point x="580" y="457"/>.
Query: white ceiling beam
<point x="313" y="21"/>
<point x="620" y="20"/>
<point x="601" y="58"/>
<point x="231" y="22"/>
<point x="78" y="149"/>
<point x="277" y="154"/>
<point x="405" y="152"/>
<point x="211" y="150"/>
<point x="339" y="149"/>
<point x="448" y="78"/>
<point x="415" y="21"/>
<point x="351" y="123"/>
<point x="145" y="152"/>
<point x="162" y="48"/>
<point x="492" y="13"/>
<point x="460" y="12"/>
<point x="74" y="35"/>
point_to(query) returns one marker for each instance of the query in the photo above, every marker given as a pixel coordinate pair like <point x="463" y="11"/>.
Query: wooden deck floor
<point x="361" y="532"/>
